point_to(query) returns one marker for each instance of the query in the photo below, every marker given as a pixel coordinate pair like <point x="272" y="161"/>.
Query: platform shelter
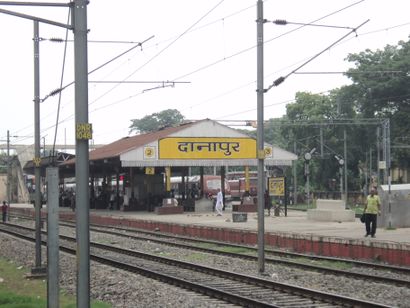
<point x="144" y="163"/>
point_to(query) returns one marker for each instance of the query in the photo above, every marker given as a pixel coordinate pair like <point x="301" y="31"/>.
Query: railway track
<point x="384" y="273"/>
<point x="238" y="289"/>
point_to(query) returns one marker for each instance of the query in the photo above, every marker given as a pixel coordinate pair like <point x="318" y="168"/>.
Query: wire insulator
<point x="278" y="81"/>
<point x="55" y="92"/>
<point x="56" y="40"/>
<point x="281" y="22"/>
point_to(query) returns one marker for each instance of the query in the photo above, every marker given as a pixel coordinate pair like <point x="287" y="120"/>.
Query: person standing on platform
<point x="4" y="209"/>
<point x="219" y="203"/>
<point x="371" y="210"/>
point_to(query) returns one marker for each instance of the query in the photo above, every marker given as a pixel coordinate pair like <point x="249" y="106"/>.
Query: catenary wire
<point x="190" y="28"/>
<point x="231" y="56"/>
<point x="361" y="34"/>
<point x="61" y="84"/>
<point x="161" y="51"/>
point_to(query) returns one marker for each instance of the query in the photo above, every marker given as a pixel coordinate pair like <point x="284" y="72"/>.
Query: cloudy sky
<point x="207" y="47"/>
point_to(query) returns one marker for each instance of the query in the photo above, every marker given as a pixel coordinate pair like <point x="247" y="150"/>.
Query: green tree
<point x="381" y="84"/>
<point x="310" y="125"/>
<point x="157" y="121"/>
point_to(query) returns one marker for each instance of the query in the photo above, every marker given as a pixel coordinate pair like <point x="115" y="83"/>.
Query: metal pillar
<point x="246" y="179"/>
<point x="37" y="160"/>
<point x="370" y="162"/>
<point x="260" y="140"/>
<point x="345" y="165"/>
<point x="295" y="186"/>
<point x="8" y="172"/>
<point x="307" y="172"/>
<point x="52" y="238"/>
<point x="82" y="155"/>
<point x="388" y="166"/>
<point x="379" y="181"/>
<point x="366" y="174"/>
<point x="223" y="176"/>
<point x="384" y="145"/>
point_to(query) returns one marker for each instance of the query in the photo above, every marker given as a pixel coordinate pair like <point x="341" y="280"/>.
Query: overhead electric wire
<point x="61" y="84"/>
<point x="155" y="56"/>
<point x="186" y="31"/>
<point x="281" y="79"/>
<point x="238" y="53"/>
<point x="267" y="41"/>
<point x="352" y="73"/>
<point x="197" y="70"/>
<point x="294" y="100"/>
<point x="381" y="30"/>
<point x="161" y="51"/>
<point x="98" y="67"/>
<point x="226" y="93"/>
<point x="60" y="40"/>
<point x="179" y="36"/>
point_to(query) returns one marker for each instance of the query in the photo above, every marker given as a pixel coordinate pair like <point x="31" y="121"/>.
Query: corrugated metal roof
<point x="126" y="144"/>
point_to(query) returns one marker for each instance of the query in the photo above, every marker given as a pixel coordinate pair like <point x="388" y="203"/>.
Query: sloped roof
<point x="126" y="144"/>
<point x="47" y="161"/>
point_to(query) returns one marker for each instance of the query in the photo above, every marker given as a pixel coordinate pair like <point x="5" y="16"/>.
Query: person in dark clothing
<point x="4" y="209"/>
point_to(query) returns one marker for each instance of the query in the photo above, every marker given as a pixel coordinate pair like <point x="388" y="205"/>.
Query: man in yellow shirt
<point x="371" y="210"/>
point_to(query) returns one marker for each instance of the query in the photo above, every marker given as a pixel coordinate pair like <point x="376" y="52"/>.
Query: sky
<point x="208" y="48"/>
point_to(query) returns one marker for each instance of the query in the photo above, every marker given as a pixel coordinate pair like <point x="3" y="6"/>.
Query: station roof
<point x="123" y="145"/>
<point x="131" y="151"/>
<point x="47" y="161"/>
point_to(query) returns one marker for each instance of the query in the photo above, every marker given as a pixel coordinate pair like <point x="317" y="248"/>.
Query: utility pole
<point x="38" y="268"/>
<point x="295" y="186"/>
<point x="367" y="170"/>
<point x="388" y="166"/>
<point x="379" y="181"/>
<point x="260" y="140"/>
<point x="345" y="164"/>
<point x="307" y="172"/>
<point x="8" y="170"/>
<point x="83" y="135"/>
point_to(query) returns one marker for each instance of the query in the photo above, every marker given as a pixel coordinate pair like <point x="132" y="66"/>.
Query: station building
<point x="139" y="168"/>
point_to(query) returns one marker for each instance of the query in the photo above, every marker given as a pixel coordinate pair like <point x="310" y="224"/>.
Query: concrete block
<point x="330" y="204"/>
<point x="203" y="205"/>
<point x="331" y="215"/>
<point x="166" y="210"/>
<point x="239" y="217"/>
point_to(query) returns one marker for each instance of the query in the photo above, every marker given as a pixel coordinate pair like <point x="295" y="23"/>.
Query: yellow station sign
<point x="277" y="186"/>
<point x="207" y="148"/>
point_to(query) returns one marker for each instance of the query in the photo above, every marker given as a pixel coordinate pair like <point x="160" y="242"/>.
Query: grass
<point x="16" y="291"/>
<point x="340" y="265"/>
<point x="229" y="249"/>
<point x="301" y="206"/>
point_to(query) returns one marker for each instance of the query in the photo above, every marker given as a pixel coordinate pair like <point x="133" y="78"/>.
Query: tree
<point x="157" y="121"/>
<point x="309" y="125"/>
<point x="381" y="83"/>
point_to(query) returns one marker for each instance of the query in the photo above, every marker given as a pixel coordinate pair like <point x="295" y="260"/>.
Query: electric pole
<point x="38" y="268"/>
<point x="8" y="170"/>
<point x="260" y="140"/>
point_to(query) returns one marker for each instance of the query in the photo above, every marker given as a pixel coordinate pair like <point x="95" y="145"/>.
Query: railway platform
<point x="293" y="232"/>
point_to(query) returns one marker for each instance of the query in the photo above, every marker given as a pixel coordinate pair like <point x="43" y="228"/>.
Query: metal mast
<point x="260" y="141"/>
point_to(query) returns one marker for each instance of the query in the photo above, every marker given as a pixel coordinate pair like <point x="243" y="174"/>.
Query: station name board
<point x="207" y="148"/>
